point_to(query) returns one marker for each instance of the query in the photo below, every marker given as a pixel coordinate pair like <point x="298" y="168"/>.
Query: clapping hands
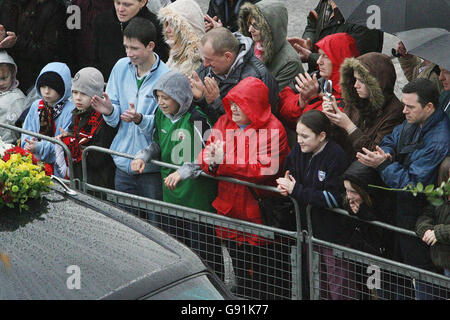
<point x="214" y="153"/>
<point x="286" y="184"/>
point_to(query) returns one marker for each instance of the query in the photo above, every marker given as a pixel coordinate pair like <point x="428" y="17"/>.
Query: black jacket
<point x="227" y="13"/>
<point x="318" y="183"/>
<point x="363" y="236"/>
<point x="42" y="36"/>
<point x="108" y="40"/>
<point x="250" y="67"/>
<point x="366" y="40"/>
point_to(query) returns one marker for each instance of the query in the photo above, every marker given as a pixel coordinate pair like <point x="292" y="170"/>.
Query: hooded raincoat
<point x="279" y="57"/>
<point x="12" y="102"/>
<point x="45" y="150"/>
<point x="337" y="47"/>
<point x="381" y="112"/>
<point x="254" y="154"/>
<point x="186" y="19"/>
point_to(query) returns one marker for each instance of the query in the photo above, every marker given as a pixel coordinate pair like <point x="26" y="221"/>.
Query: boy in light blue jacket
<point x="49" y="113"/>
<point x="129" y="105"/>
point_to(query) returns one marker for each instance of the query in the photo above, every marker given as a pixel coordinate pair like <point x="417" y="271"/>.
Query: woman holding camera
<point x="371" y="109"/>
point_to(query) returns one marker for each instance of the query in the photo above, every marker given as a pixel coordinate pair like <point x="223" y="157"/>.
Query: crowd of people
<point x="225" y="93"/>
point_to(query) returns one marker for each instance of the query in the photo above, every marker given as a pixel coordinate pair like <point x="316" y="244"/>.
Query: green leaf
<point x="429" y="188"/>
<point x="437" y="202"/>
<point x="420" y="187"/>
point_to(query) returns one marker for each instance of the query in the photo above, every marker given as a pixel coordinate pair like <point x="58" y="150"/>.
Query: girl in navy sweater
<point x="313" y="171"/>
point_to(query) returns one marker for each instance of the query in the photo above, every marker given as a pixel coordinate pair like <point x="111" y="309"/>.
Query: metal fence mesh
<point x="288" y="265"/>
<point x="263" y="272"/>
<point x="341" y="275"/>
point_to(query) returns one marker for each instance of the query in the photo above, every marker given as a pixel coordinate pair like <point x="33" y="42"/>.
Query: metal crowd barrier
<point x="341" y="273"/>
<point x="269" y="271"/>
<point x="43" y="137"/>
<point x="274" y="270"/>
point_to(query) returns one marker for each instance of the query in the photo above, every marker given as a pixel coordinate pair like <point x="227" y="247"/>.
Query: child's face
<point x="51" y="96"/>
<point x="308" y="140"/>
<point x="138" y="53"/>
<point x="167" y="104"/>
<point x="5" y="77"/>
<point x="82" y="101"/>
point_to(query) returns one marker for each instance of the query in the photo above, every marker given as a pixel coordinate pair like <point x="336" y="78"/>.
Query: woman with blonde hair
<point x="183" y="27"/>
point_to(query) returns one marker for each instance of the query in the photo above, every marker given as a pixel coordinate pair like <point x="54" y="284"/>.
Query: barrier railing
<point x="271" y="270"/>
<point x="43" y="137"/>
<point x="274" y="270"/>
<point x="339" y="272"/>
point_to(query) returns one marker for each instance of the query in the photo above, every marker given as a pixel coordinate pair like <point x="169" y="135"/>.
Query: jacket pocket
<point x="223" y="207"/>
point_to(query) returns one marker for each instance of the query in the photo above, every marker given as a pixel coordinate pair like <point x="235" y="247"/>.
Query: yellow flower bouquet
<point x="22" y="178"/>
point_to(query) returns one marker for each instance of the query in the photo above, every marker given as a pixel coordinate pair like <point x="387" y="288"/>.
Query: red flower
<point x="47" y="167"/>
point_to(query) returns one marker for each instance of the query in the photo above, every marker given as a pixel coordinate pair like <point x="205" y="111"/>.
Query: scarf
<point x="82" y="133"/>
<point x="47" y="116"/>
<point x="258" y="50"/>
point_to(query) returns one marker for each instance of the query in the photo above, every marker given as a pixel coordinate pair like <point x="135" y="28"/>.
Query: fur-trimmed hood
<point x="272" y="16"/>
<point x="378" y="74"/>
<point x="186" y="18"/>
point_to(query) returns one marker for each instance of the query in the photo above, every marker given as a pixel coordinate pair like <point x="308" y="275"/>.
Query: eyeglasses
<point x="234" y="106"/>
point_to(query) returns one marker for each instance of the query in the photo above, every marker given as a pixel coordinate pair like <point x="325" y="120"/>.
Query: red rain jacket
<point x="255" y="154"/>
<point x="337" y="47"/>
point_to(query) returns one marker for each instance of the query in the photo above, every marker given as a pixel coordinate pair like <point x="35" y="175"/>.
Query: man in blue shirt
<point x="411" y="154"/>
<point x="129" y="104"/>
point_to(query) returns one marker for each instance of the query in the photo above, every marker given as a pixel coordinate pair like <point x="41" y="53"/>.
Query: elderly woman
<point x="266" y="23"/>
<point x="183" y="27"/>
<point x="108" y="34"/>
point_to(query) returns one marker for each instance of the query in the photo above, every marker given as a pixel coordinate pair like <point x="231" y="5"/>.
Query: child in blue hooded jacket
<point x="49" y="113"/>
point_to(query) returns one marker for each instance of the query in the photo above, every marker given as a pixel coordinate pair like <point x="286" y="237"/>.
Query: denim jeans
<point x="148" y="185"/>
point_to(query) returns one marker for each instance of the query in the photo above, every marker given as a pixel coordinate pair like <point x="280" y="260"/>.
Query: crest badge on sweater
<point x="321" y="175"/>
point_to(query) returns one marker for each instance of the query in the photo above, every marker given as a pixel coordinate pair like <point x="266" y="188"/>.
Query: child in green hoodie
<point x="178" y="138"/>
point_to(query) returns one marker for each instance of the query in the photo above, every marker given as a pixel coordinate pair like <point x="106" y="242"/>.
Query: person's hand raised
<point x="102" y="105"/>
<point x="131" y="115"/>
<point x="198" y="88"/>
<point x="307" y="86"/>
<point x="211" y="23"/>
<point x="212" y="91"/>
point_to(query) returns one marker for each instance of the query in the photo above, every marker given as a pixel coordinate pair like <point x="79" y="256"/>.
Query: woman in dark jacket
<point x="371" y="109"/>
<point x="371" y="204"/>
<point x="367" y="203"/>
<point x="108" y="34"/>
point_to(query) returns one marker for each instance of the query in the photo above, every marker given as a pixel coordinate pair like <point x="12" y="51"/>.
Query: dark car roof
<point x="118" y="255"/>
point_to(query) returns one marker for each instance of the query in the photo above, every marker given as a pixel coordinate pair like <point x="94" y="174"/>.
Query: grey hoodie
<point x="177" y="86"/>
<point x="279" y="57"/>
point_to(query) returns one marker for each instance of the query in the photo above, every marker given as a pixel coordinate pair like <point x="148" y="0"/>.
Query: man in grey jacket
<point x="227" y="59"/>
